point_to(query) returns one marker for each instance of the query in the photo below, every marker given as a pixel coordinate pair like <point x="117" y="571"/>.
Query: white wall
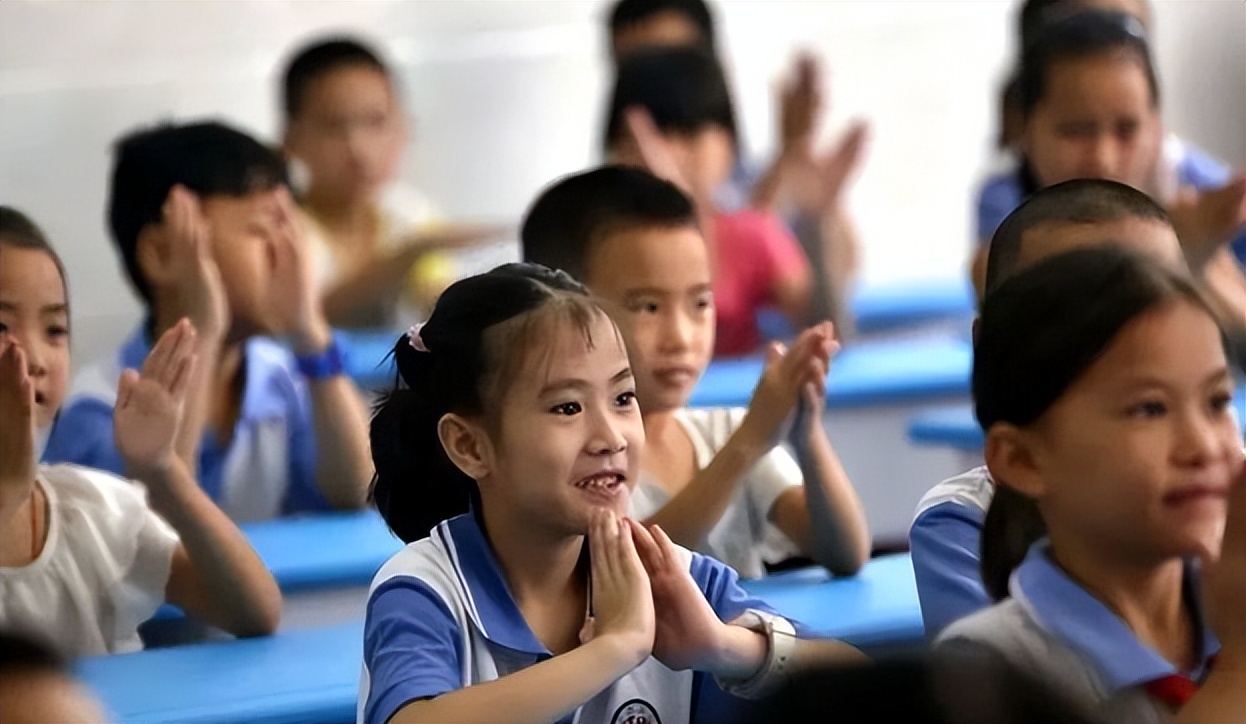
<point x="507" y="95"/>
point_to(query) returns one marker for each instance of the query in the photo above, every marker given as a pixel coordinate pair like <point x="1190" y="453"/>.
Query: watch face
<point x="635" y="711"/>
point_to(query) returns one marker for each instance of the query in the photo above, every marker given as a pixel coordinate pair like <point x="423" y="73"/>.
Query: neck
<point x="1146" y="596"/>
<point x="356" y="212"/>
<point x="14" y="497"/>
<point x="658" y="423"/>
<point x="536" y="567"/>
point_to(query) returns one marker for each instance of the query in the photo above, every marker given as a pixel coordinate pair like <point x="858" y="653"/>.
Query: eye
<point x="626" y="399"/>
<point x="57" y="331"/>
<point x="4" y="328"/>
<point x="1220" y="402"/>
<point x="1149" y="408"/>
<point x="1126" y="130"/>
<point x="704" y="302"/>
<point x="566" y="408"/>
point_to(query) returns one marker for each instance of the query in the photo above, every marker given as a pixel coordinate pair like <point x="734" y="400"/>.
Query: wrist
<point x="328" y="362"/>
<point x="619" y="651"/>
<point x="312" y="338"/>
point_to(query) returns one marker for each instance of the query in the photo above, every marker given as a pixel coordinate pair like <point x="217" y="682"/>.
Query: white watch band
<point x="780" y="644"/>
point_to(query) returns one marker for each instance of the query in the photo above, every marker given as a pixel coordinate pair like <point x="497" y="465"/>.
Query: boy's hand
<point x="17" y="418"/>
<point x="1224" y="578"/>
<point x="800" y="104"/>
<point x="149" y="403"/>
<point x="786" y="374"/>
<point x="295" y="293"/>
<point x="688" y="632"/>
<point x="191" y="269"/>
<point x="658" y="156"/>
<point x="621" y="599"/>
<point x="816" y="185"/>
<point x="811" y="405"/>
<point x="1207" y="220"/>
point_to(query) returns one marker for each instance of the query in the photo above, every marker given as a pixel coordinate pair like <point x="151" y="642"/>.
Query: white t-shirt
<point x="103" y="568"/>
<point x="744" y="538"/>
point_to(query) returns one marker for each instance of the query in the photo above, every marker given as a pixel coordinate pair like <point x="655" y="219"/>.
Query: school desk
<point x="308" y="675"/>
<point x="876" y="607"/>
<point x="895" y="305"/>
<point x="322" y="562"/>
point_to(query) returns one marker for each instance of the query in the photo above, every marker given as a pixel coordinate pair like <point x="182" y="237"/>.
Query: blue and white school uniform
<point x="945" y="542"/>
<point x="440" y="618"/>
<point x="267" y="469"/>
<point x="1054" y="629"/>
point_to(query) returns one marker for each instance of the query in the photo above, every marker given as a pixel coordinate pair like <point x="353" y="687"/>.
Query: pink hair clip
<point x="414" y="339"/>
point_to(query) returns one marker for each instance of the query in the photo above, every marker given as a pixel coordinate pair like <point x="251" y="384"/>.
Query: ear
<point x="466" y="444"/>
<point x="152" y="253"/>
<point x="1012" y="457"/>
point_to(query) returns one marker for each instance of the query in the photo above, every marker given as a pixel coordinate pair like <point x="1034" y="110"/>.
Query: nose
<point x="607" y="434"/>
<point x="36" y="355"/>
<point x="676" y="331"/>
<point x="1102" y="158"/>
<point x="1203" y="438"/>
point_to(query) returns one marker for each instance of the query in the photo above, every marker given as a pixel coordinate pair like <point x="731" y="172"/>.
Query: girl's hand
<point x="149" y="403"/>
<point x="785" y="377"/>
<point x="295" y="292"/>
<point x="689" y="634"/>
<point x="1206" y="220"/>
<point x="191" y="268"/>
<point x="17" y="418"/>
<point x="1224" y="579"/>
<point x="622" y="601"/>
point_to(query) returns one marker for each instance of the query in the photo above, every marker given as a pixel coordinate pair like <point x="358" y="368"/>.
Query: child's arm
<point x="1206" y="220"/>
<point x="622" y="639"/>
<point x="343" y="463"/>
<point x="690" y="635"/>
<point x="1222" y="697"/>
<point x="697" y="508"/>
<point x="381" y="279"/>
<point x="214" y="574"/>
<point x="824" y="517"/>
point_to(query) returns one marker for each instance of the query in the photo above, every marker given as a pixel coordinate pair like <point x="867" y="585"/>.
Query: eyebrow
<point x="656" y="292"/>
<point x="45" y="309"/>
<point x="1218" y="375"/>
<point x="574" y="384"/>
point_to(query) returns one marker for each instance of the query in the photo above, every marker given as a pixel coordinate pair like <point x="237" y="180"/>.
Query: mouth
<point x="1196" y="493"/>
<point x="676" y="375"/>
<point x="40" y="398"/>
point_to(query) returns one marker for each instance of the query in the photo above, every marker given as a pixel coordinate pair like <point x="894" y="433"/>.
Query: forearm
<point x="226" y="583"/>
<point x="1221" y="698"/>
<point x="835" y="532"/>
<point x="379" y="281"/>
<point x="693" y="512"/>
<point x="343" y="461"/>
<point x="832" y="265"/>
<point x="765" y="193"/>
<point x="547" y="691"/>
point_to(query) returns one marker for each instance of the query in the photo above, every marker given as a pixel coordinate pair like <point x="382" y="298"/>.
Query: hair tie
<point x="415" y="339"/>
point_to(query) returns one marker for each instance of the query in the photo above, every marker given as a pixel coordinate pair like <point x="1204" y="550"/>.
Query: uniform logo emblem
<point x="635" y="711"/>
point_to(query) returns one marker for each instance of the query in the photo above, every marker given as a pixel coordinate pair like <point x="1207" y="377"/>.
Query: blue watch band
<point x="329" y="362"/>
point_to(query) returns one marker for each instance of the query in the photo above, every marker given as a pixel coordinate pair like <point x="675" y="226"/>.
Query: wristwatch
<point x="328" y="362"/>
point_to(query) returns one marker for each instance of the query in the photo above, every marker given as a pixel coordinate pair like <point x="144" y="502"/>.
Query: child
<point x="1089" y="101"/>
<point x="946" y="532"/>
<point x="1101" y="382"/>
<point x="84" y="560"/>
<point x="345" y="127"/>
<point x="201" y="218"/>
<point x="517" y="395"/>
<point x="713" y="478"/>
<point x="671" y="112"/>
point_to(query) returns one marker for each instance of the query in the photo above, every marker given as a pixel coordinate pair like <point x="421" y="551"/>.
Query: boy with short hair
<point x="715" y="479"/>
<point x="375" y="245"/>
<point x="205" y="227"/>
<point x="944" y="537"/>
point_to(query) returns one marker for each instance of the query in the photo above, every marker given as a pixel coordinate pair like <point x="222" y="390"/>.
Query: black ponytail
<point x="450" y="366"/>
<point x="1039" y="332"/>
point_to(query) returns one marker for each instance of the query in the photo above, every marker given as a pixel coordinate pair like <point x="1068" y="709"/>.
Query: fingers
<point x="646" y="547"/>
<point x="167" y="361"/>
<point x="125" y="388"/>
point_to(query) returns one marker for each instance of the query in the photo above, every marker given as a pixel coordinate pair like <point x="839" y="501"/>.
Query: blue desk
<point x="310" y="675"/>
<point x="888" y="306"/>
<point x="877" y="606"/>
<point x="867" y="373"/>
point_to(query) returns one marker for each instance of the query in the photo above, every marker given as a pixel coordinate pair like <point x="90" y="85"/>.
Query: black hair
<point x="21" y="652"/>
<point x="478" y="335"/>
<point x="577" y="212"/>
<point x="683" y="89"/>
<point x="627" y="13"/>
<point x="1082" y="35"/>
<point x="1039" y="332"/>
<point x="1037" y="14"/>
<point x="208" y="158"/>
<point x="1079" y="201"/>
<point x="941" y="688"/>
<point x="312" y="62"/>
<point x="20" y="232"/>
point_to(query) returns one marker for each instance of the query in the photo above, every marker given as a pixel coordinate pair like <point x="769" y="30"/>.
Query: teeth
<point x="600" y="481"/>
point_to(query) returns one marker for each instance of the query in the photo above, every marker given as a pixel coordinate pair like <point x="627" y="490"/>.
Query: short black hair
<point x="21" y="232"/>
<point x="1079" y="201"/>
<point x="314" y="61"/>
<point x="627" y="13"/>
<point x="208" y="158"/>
<point x="683" y="89"/>
<point x="21" y="652"/>
<point x="577" y="212"/>
<point x="1085" y="34"/>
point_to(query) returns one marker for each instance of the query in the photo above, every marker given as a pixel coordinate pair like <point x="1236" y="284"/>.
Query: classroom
<point x="623" y="360"/>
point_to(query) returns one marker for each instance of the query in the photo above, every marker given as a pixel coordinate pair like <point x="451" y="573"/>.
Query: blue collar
<point x="1080" y="621"/>
<point x="492" y="607"/>
<point x="262" y="359"/>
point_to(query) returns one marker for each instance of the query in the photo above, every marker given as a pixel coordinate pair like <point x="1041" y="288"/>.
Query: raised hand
<point x="190" y="268"/>
<point x="784" y="379"/>
<point x="623" y="607"/>
<point x="17" y="419"/>
<point x="816" y="184"/>
<point x="1206" y="220"/>
<point x="812" y="401"/>
<point x="800" y="104"/>
<point x="658" y="156"/>
<point x="149" y="402"/>
<point x="295" y="294"/>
